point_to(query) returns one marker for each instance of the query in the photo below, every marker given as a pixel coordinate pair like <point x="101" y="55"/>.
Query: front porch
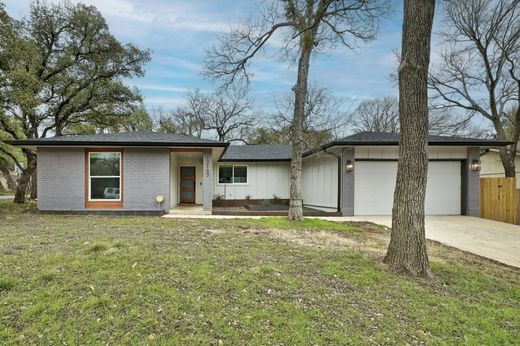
<point x="191" y="180"/>
<point x="189" y="209"/>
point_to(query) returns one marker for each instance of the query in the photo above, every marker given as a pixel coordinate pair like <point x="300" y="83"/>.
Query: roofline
<point x="393" y="143"/>
<point x="43" y="143"/>
<point x="254" y="160"/>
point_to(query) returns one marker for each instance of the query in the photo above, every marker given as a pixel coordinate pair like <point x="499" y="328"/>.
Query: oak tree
<point x="60" y="66"/>
<point x="407" y="248"/>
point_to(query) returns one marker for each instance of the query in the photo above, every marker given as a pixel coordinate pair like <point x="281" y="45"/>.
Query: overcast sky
<point x="177" y="33"/>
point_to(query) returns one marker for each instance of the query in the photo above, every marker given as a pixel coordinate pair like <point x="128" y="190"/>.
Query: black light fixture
<point x="349" y="166"/>
<point x="476" y="165"/>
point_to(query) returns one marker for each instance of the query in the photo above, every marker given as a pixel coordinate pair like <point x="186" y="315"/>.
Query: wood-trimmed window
<point x="232" y="174"/>
<point x="104" y="178"/>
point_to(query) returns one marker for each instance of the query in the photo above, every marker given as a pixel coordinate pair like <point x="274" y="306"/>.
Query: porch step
<point x="189" y="210"/>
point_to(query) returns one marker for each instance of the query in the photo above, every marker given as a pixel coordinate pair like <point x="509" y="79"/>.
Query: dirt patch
<point x="215" y="231"/>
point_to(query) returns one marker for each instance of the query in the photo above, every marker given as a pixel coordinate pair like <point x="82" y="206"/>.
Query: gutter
<point x="23" y="142"/>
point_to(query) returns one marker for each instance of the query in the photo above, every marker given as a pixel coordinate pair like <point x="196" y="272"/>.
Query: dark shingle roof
<point x="124" y="138"/>
<point x="257" y="152"/>
<point x="382" y="138"/>
<point x="244" y="153"/>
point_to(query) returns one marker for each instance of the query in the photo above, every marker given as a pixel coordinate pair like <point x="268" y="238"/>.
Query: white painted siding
<point x="320" y="182"/>
<point x="492" y="167"/>
<point x="263" y="181"/>
<point x="382" y="152"/>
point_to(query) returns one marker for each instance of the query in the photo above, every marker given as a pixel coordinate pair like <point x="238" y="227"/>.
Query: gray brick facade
<point x="146" y="174"/>
<point x="347" y="187"/>
<point x="471" y="184"/>
<point x="61" y="178"/>
<point x="207" y="180"/>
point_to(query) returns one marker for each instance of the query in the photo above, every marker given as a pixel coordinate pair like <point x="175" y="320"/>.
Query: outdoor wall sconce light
<point x="476" y="165"/>
<point x="349" y="166"/>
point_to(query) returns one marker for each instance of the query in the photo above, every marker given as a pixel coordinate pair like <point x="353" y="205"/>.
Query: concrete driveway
<point x="496" y="240"/>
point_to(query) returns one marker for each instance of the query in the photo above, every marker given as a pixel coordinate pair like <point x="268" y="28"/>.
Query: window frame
<point x="103" y="203"/>
<point x="233" y="174"/>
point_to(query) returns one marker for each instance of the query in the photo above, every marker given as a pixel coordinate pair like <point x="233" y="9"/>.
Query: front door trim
<point x="181" y="188"/>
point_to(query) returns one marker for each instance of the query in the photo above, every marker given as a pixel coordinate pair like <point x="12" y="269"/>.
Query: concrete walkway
<point x="495" y="240"/>
<point x="6" y="198"/>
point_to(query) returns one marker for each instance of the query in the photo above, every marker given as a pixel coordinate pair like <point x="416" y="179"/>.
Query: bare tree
<point x="305" y="27"/>
<point x="407" y="248"/>
<point x="323" y="121"/>
<point x="479" y="70"/>
<point x="230" y="114"/>
<point x="382" y="115"/>
<point x="377" y="115"/>
<point x="224" y="114"/>
<point x="188" y="119"/>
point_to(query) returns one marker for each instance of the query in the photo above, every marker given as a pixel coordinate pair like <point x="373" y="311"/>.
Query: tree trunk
<point x="507" y="153"/>
<point x="11" y="184"/>
<point x="300" y="95"/>
<point x="22" y="184"/>
<point x="508" y="161"/>
<point x="407" y="249"/>
<point x="34" y="185"/>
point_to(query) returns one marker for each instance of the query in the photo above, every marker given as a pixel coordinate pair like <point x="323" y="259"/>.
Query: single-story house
<point x="492" y="165"/>
<point x="353" y="176"/>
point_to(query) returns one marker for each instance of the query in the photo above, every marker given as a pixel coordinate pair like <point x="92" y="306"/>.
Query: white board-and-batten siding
<point x="391" y="153"/>
<point x="264" y="181"/>
<point x="320" y="182"/>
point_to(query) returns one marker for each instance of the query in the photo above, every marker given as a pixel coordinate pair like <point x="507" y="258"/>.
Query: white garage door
<point x="375" y="183"/>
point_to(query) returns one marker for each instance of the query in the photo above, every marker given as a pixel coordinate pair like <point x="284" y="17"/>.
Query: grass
<point x="128" y="280"/>
<point x="8" y="208"/>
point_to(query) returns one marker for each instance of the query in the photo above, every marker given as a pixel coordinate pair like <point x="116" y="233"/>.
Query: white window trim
<point x="104" y="176"/>
<point x="233" y="174"/>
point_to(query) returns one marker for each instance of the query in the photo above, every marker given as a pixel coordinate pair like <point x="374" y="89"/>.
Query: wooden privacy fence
<point x="499" y="199"/>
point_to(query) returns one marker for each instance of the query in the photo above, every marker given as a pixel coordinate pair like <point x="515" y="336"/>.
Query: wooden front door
<point x="187" y="184"/>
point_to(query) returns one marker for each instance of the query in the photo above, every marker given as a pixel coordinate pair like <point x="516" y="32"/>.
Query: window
<point x="225" y="174"/>
<point x="104" y="176"/>
<point x="231" y="174"/>
<point x="240" y="174"/>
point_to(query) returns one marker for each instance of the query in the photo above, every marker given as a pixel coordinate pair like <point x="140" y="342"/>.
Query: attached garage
<point x="374" y="184"/>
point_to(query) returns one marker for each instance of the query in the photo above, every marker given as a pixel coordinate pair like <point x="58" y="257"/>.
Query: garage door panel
<point x="375" y="184"/>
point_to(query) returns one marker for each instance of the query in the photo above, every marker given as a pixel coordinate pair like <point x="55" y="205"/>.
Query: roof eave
<point x="27" y="143"/>
<point x="254" y="160"/>
<point x="393" y="143"/>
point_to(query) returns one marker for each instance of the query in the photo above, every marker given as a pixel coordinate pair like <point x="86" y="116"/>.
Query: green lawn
<point x="130" y="280"/>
